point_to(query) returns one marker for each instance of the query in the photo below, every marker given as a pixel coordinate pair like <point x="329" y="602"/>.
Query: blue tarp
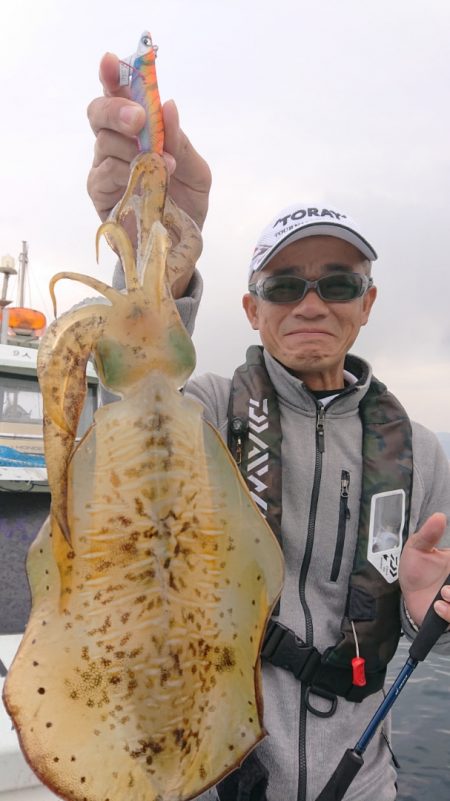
<point x="9" y="457"/>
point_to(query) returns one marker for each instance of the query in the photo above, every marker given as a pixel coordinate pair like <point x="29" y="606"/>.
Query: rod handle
<point x="431" y="629"/>
<point x="342" y="777"/>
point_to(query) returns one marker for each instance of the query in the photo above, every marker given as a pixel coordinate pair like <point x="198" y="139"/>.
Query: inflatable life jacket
<point x="373" y="601"/>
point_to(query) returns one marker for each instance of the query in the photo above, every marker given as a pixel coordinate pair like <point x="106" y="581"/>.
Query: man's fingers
<point x="112" y="174"/>
<point x="109" y="77"/>
<point x="110" y="144"/>
<point x="429" y="534"/>
<point x="171" y="164"/>
<point x="109" y="74"/>
<point x="171" y="127"/>
<point x="116" y="114"/>
<point x="441" y="607"/>
<point x="107" y="183"/>
<point x="192" y="169"/>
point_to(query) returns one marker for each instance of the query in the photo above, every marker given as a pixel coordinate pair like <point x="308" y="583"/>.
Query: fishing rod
<point x="352" y="761"/>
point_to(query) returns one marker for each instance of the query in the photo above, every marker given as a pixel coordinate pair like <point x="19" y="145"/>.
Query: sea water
<point x="421" y="727"/>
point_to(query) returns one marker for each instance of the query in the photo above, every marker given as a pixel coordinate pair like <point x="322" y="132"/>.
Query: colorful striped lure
<point x="139" y="73"/>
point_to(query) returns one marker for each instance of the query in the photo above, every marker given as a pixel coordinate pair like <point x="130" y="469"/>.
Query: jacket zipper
<point x="309" y="631"/>
<point x="344" y="515"/>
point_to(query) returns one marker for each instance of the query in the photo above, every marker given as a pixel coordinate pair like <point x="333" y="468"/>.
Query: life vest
<point x="373" y="600"/>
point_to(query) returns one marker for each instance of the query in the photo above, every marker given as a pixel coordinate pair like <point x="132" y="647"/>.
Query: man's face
<point x="311" y="337"/>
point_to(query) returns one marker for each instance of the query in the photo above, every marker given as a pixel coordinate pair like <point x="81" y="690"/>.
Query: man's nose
<point x="311" y="305"/>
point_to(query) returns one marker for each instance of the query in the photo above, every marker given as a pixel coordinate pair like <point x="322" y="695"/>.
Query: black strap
<point x="255" y="433"/>
<point x="248" y="783"/>
<point x="284" y="649"/>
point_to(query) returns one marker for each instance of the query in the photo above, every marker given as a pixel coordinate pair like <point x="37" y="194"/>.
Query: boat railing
<point x="9" y="435"/>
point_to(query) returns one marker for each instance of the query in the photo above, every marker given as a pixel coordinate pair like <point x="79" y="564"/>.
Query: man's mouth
<point x="308" y="332"/>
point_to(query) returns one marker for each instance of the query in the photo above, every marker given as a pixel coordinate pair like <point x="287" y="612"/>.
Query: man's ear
<point x="368" y="301"/>
<point x="250" y="305"/>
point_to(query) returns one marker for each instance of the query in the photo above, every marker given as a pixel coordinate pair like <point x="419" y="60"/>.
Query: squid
<point x="154" y="577"/>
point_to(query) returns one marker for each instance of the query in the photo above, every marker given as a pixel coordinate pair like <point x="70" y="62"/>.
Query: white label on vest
<point x="387" y="518"/>
<point x="258" y="456"/>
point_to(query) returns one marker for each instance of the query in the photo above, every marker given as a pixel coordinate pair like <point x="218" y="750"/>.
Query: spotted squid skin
<point x="138" y="675"/>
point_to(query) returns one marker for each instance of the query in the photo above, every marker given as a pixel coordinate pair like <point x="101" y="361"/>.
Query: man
<point x="346" y="473"/>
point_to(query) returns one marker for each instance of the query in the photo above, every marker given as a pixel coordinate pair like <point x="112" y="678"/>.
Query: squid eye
<point x="146" y="41"/>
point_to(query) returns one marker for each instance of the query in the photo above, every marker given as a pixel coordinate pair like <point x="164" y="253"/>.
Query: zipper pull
<point x="345" y="484"/>
<point x="320" y="428"/>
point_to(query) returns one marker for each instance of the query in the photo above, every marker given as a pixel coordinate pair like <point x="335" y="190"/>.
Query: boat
<point x="24" y="497"/>
<point x="22" y="463"/>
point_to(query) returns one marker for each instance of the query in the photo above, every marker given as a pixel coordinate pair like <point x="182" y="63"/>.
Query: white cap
<point x="299" y="221"/>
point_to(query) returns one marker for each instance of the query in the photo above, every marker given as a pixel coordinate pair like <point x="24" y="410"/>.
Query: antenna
<point x="23" y="259"/>
<point x="7" y="268"/>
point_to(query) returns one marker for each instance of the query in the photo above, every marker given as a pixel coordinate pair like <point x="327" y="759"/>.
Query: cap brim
<point x="321" y="229"/>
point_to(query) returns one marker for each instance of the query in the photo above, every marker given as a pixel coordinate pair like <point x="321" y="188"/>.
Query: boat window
<point x="21" y="402"/>
<point x="20" y="399"/>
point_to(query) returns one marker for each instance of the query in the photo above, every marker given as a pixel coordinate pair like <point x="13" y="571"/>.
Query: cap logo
<point x="300" y="214"/>
<point x="259" y="251"/>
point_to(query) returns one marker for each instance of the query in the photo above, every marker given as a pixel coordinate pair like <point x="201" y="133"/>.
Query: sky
<point x="341" y="103"/>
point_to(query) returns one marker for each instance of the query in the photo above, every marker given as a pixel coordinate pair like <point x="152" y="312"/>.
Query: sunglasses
<point x="334" y="288"/>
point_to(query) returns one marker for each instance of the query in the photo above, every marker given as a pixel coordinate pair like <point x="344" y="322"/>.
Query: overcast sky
<point x="345" y="103"/>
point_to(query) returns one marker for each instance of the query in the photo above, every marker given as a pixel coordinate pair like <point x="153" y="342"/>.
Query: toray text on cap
<point x="310" y="212"/>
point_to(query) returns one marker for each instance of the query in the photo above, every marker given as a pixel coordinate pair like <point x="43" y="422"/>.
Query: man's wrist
<point x="410" y="620"/>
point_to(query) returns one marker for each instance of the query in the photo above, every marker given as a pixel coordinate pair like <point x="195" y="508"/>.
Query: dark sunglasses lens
<point x="332" y="288"/>
<point x="283" y="289"/>
<point x="341" y="287"/>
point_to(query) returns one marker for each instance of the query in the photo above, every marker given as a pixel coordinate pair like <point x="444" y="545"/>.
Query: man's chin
<point x="313" y="360"/>
<point x="308" y="366"/>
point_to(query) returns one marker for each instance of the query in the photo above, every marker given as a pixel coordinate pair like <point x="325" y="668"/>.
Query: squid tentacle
<point x="104" y="289"/>
<point x="119" y="240"/>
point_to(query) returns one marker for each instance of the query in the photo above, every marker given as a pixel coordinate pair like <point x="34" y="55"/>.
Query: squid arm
<point x="62" y="361"/>
<point x="143" y="202"/>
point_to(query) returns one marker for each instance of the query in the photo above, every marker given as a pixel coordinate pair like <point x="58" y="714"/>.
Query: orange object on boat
<point x="30" y="319"/>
